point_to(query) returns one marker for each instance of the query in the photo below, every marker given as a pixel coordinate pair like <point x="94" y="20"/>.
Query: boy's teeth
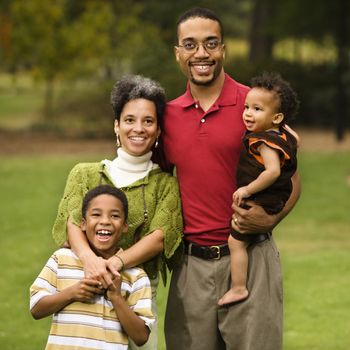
<point x="103" y="232"/>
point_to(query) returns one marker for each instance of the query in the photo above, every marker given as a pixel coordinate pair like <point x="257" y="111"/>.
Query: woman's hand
<point x="96" y="268"/>
<point x="115" y="264"/>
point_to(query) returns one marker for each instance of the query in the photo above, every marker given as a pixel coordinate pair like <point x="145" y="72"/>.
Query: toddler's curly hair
<point x="273" y="81"/>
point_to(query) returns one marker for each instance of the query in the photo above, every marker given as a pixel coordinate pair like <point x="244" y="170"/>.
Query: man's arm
<point x="256" y="220"/>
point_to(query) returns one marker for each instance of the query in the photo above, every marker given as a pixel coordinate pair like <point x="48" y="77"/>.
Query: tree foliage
<point x="331" y="19"/>
<point x="103" y="39"/>
<point x="59" y="39"/>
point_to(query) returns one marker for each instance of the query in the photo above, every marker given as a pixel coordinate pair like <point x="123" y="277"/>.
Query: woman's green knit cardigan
<point x="162" y="200"/>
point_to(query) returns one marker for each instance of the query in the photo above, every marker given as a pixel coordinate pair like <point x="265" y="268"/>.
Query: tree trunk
<point x="48" y="99"/>
<point x="260" y="37"/>
<point x="342" y="65"/>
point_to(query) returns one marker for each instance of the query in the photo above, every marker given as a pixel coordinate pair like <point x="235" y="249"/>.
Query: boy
<point x="267" y="163"/>
<point x="84" y="315"/>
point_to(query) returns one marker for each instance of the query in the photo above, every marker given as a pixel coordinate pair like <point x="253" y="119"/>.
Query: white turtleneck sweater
<point x="126" y="169"/>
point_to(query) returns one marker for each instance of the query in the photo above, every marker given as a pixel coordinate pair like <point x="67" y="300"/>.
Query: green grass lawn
<point x="314" y="242"/>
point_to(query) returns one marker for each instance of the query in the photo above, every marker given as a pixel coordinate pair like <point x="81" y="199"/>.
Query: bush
<point x="85" y="111"/>
<point x="316" y="86"/>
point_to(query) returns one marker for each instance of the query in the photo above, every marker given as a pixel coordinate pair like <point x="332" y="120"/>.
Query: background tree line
<point x="83" y="46"/>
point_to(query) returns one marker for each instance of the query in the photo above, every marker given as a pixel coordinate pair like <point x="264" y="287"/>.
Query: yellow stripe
<point x="88" y="332"/>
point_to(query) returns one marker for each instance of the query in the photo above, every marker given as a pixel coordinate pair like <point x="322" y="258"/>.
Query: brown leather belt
<point x="206" y="252"/>
<point x="215" y="252"/>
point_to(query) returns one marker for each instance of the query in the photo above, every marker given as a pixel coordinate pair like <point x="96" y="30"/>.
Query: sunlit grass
<point x="314" y="243"/>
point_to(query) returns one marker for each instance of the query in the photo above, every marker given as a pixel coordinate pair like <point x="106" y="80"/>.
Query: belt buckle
<point x="217" y="251"/>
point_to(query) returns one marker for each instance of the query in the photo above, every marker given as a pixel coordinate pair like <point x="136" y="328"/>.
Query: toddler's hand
<point x="240" y="194"/>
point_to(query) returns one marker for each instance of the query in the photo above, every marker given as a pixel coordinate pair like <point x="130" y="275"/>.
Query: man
<point x="202" y="138"/>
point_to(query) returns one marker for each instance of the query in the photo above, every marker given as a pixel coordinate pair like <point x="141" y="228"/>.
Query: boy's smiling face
<point x="104" y="224"/>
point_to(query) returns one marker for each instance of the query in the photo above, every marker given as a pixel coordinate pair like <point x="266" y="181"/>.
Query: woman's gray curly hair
<point x="132" y="87"/>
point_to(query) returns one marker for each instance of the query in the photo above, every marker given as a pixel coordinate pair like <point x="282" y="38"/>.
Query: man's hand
<point x="253" y="219"/>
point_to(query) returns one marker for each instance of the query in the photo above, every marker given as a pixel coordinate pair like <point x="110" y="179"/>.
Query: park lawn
<point x="314" y="243"/>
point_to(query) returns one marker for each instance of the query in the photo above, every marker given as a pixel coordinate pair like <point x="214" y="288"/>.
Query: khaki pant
<point x="194" y="321"/>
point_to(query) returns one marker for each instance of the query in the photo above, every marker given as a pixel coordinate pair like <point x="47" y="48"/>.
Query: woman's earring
<point x="118" y="140"/>
<point x="156" y="144"/>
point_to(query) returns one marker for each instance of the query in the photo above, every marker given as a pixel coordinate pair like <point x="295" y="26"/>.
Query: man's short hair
<point x="200" y="12"/>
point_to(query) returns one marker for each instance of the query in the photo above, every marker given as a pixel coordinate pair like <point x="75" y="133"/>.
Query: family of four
<point x="197" y="186"/>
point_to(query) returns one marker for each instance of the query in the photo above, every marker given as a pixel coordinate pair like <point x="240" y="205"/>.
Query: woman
<point x="155" y="220"/>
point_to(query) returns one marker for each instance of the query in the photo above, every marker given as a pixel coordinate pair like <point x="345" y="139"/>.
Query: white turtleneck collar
<point x="126" y="169"/>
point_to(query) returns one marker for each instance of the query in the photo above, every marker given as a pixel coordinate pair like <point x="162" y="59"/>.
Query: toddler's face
<point x="261" y="110"/>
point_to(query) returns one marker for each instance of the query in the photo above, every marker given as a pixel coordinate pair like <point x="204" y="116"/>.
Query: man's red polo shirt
<point x="205" y="148"/>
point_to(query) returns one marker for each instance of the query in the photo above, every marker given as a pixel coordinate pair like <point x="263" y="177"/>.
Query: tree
<point x="342" y="38"/>
<point x="37" y="41"/>
<point x="330" y="20"/>
<point x="261" y="36"/>
<point x="59" y="38"/>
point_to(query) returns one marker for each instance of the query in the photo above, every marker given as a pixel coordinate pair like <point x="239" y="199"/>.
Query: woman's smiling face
<point x="137" y="128"/>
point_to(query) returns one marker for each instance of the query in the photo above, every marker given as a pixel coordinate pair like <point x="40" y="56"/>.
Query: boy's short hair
<point x="272" y="81"/>
<point x="200" y="12"/>
<point x="105" y="189"/>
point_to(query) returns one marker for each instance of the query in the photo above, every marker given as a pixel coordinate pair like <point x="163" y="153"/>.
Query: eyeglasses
<point x="210" y="45"/>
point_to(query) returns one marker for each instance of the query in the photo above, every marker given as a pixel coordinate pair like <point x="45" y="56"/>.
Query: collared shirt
<point x="205" y="148"/>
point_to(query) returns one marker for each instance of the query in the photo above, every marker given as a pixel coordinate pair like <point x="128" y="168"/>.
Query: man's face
<point x="203" y="65"/>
